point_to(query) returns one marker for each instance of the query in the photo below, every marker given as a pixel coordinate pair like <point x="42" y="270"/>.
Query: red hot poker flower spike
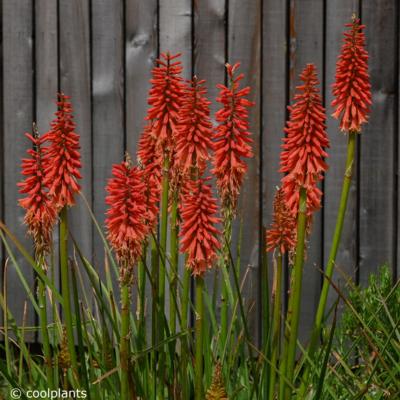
<point x="302" y="157"/>
<point x="193" y="136"/>
<point x="232" y="139"/>
<point x="40" y="209"/>
<point x="352" y="88"/>
<point x="63" y="160"/>
<point x="282" y="233"/>
<point x="198" y="231"/>
<point x="126" y="228"/>
<point x="165" y="99"/>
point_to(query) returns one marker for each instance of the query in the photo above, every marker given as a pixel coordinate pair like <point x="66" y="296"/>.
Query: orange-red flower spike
<point x="126" y="227"/>
<point x="199" y="235"/>
<point x="232" y="138"/>
<point x="193" y="136"/>
<point x="302" y="157"/>
<point x="282" y="233"/>
<point x="63" y="157"/>
<point x="165" y="99"/>
<point x="41" y="212"/>
<point x="352" y="88"/>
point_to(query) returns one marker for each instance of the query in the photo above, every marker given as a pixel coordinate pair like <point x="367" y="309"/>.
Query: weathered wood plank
<point x="141" y="51"/>
<point x="274" y="101"/>
<point x="46" y="79"/>
<point x="176" y="30"/>
<point x="244" y="45"/>
<point x="108" y="105"/>
<point x="18" y="116"/>
<point x="209" y="45"/>
<point x="377" y="161"/>
<point x="306" y="38"/>
<point x="339" y="12"/>
<point x="175" y="27"/>
<point x="209" y="49"/>
<point x="75" y="81"/>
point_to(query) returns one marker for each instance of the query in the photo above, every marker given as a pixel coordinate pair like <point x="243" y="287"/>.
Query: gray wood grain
<point x="108" y="105"/>
<point x="46" y="79"/>
<point x="175" y="27"/>
<point x="274" y="101"/>
<point x="176" y="30"/>
<point x="209" y="47"/>
<point x="339" y="12"/>
<point x="244" y="45"/>
<point x="18" y="116"/>
<point x="378" y="141"/>
<point x="75" y="81"/>
<point x="306" y="38"/>
<point x="141" y="51"/>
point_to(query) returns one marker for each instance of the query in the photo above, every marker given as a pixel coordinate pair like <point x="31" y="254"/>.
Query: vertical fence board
<point x="378" y="140"/>
<point x="244" y="45"/>
<point x="108" y="105"/>
<point x="176" y="31"/>
<point x="175" y="27"/>
<point x="209" y="60"/>
<point x="306" y="36"/>
<point x="75" y="79"/>
<point x="18" y="116"/>
<point x="209" y="45"/>
<point x="46" y="79"/>
<point x="274" y="100"/>
<point x="141" y="50"/>
<point x="339" y="12"/>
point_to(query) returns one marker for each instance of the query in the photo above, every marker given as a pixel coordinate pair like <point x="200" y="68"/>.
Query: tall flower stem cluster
<point x="126" y="232"/>
<point x="40" y="218"/>
<point x="165" y="100"/>
<point x="62" y="174"/>
<point x="232" y="145"/>
<point x="280" y="238"/>
<point x="200" y="242"/>
<point x="193" y="144"/>
<point x="352" y="101"/>
<point x="302" y="159"/>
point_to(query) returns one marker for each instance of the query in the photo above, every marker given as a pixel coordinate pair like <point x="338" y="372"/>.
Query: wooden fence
<point x="100" y="52"/>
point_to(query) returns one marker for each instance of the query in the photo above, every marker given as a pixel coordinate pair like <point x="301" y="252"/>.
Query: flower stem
<point x="141" y="297"/>
<point x="276" y="323"/>
<point x="44" y="325"/>
<point x="226" y="263"/>
<point x="184" y="327"/>
<point x="65" y="286"/>
<point x="163" y="246"/>
<point x="162" y="271"/>
<point x="333" y="252"/>
<point x="199" y="338"/>
<point x="295" y="295"/>
<point x="124" y="341"/>
<point x="265" y="309"/>
<point x="174" y="265"/>
<point x="154" y="310"/>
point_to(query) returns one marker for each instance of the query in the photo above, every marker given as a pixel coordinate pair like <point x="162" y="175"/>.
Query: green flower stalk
<point x="199" y="240"/>
<point x="127" y="231"/>
<point x="281" y="238"/>
<point x="352" y="102"/>
<point x="61" y="176"/>
<point x="302" y="160"/>
<point x="232" y="145"/>
<point x="40" y="218"/>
